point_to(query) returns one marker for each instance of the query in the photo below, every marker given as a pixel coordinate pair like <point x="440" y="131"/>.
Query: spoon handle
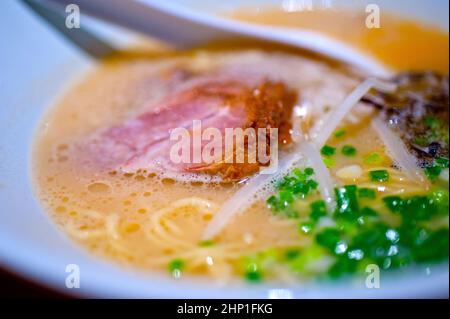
<point x="183" y="27"/>
<point x="152" y="19"/>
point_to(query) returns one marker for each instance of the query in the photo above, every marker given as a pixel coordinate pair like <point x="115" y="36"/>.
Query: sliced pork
<point x="217" y="100"/>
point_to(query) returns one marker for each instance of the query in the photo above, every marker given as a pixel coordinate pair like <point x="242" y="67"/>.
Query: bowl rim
<point x="41" y="265"/>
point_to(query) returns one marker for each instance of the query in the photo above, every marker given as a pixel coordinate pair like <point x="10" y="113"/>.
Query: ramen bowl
<point x="38" y="67"/>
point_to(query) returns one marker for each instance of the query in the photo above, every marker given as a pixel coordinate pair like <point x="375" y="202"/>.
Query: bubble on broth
<point x="99" y="187"/>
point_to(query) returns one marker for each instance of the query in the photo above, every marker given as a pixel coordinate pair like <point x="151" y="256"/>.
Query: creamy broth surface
<point x="146" y="221"/>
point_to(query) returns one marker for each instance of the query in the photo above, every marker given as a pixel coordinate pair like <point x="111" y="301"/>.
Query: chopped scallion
<point x="381" y="175"/>
<point x="348" y="150"/>
<point x="327" y="150"/>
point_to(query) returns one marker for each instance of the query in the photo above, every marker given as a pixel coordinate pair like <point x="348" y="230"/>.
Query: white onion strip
<point x="397" y="150"/>
<point x="310" y="153"/>
<point x="255" y="188"/>
<point x="248" y="194"/>
<point x="322" y="134"/>
<point x="322" y="174"/>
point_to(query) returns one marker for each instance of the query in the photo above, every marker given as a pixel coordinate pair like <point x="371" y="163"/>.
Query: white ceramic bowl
<point x="36" y="66"/>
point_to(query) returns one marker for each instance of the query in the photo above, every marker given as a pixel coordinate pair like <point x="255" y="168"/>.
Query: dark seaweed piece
<point x="418" y="111"/>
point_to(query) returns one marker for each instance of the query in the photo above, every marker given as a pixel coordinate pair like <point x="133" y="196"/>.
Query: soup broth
<point x="152" y="222"/>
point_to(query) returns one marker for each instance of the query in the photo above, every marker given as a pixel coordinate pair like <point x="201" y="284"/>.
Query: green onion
<point x="291" y="254"/>
<point x="366" y="193"/>
<point x="176" y="265"/>
<point x="432" y="122"/>
<point x="252" y="271"/>
<point x="440" y="199"/>
<point x="327" y="150"/>
<point x="298" y="184"/>
<point x="394" y="203"/>
<point x="347" y="200"/>
<point x="373" y="159"/>
<point x="253" y="276"/>
<point x="339" y="133"/>
<point x="318" y="210"/>
<point x="419" y="207"/>
<point x="433" y="248"/>
<point x="301" y="188"/>
<point x="329" y="162"/>
<point x="434" y="170"/>
<point x="274" y="203"/>
<point x="328" y="238"/>
<point x="381" y="175"/>
<point x="421" y="141"/>
<point x="348" y="150"/>
<point x="299" y="174"/>
<point x="367" y="211"/>
<point x="442" y="162"/>
<point x="366" y="238"/>
<point x="286" y="197"/>
<point x="312" y="184"/>
<point x="206" y="243"/>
